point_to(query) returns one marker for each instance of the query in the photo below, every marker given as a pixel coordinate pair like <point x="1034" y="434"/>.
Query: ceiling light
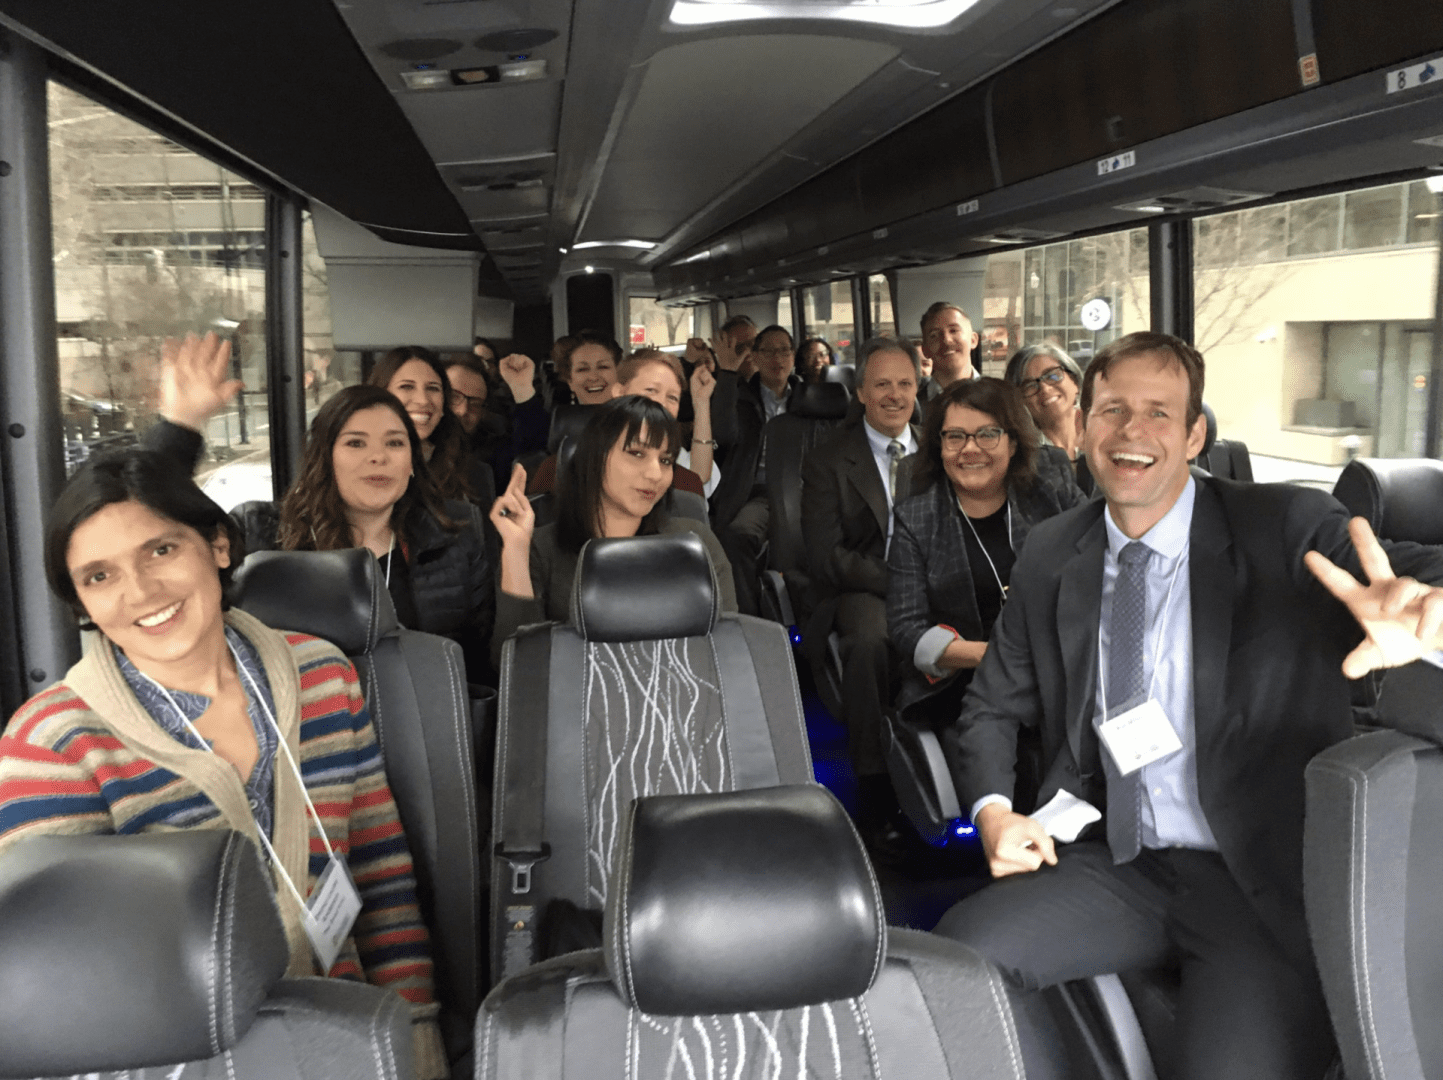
<point x="1435" y="184"/>
<point x="643" y="245"/>
<point x="562" y="250"/>
<point x="432" y="79"/>
<point x="591" y="269"/>
<point x="906" y="14"/>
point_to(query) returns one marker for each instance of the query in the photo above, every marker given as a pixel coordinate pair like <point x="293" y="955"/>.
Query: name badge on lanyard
<point x="1138" y="736"/>
<point x="331" y="910"/>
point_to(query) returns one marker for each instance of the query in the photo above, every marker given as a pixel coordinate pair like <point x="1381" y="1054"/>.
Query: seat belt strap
<point x="749" y="736"/>
<point x="521" y="753"/>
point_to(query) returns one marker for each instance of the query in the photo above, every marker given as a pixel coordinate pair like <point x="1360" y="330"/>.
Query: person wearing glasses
<point x="1049" y="380"/>
<point x="980" y="482"/>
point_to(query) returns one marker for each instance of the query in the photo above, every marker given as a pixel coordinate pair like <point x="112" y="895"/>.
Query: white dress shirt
<point x="879" y="443"/>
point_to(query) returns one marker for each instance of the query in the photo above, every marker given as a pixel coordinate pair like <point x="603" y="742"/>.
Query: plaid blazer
<point x="929" y="576"/>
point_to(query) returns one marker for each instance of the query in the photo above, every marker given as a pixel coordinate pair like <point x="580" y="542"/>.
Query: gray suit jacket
<point x="1268" y="689"/>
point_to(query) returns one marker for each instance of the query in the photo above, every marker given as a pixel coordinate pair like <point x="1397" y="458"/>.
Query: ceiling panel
<point x="482" y="123"/>
<point x="709" y="111"/>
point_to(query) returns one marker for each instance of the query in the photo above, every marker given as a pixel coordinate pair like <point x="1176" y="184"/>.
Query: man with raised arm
<point x="1182" y="648"/>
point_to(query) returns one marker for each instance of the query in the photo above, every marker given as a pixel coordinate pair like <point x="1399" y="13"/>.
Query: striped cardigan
<point x="85" y="757"/>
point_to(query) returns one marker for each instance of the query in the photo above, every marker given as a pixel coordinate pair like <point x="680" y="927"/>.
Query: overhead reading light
<point x="643" y="245"/>
<point x="1435" y="184"/>
<point x="907" y="14"/>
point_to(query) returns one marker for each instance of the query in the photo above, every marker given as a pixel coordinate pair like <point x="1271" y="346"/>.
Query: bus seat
<point x="131" y="956"/>
<point x="744" y="936"/>
<point x="1227" y="458"/>
<point x="814" y="411"/>
<point x="1372" y="868"/>
<point x="566" y="420"/>
<point x="846" y="374"/>
<point x="647" y="690"/>
<point x="1401" y="498"/>
<point x="415" y="686"/>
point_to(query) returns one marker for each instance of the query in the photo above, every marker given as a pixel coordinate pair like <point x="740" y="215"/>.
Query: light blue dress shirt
<point x="1172" y="814"/>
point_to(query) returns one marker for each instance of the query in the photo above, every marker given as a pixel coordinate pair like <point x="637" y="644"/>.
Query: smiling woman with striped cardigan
<point x="181" y="717"/>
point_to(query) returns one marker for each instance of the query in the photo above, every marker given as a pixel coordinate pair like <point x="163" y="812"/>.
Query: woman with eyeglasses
<point x="980" y="482"/>
<point x="1050" y="381"/>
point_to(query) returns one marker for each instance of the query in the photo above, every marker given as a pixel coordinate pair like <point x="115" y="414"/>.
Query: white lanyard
<point x="390" y="548"/>
<point x="1157" y="643"/>
<point x="281" y="739"/>
<point x="985" y="554"/>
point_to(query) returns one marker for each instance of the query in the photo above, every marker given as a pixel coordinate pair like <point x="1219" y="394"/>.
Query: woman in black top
<point x="981" y="482"/>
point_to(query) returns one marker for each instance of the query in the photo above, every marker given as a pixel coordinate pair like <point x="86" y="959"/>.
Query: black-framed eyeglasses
<point x="987" y="438"/>
<point x="1052" y="377"/>
<point x="457" y="398"/>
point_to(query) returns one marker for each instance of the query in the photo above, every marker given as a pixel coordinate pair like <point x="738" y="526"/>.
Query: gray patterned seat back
<point x="649" y="691"/>
<point x="159" y="957"/>
<point x="744" y="939"/>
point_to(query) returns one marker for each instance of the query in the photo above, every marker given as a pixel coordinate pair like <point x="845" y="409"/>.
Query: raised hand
<point x="702" y="385"/>
<point x="194" y="382"/>
<point x="1400" y="616"/>
<point x="511" y="513"/>
<point x="519" y="372"/>
<point x="698" y="355"/>
<point x="728" y="358"/>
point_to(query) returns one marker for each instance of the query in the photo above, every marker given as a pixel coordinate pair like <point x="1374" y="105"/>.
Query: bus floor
<point x="919" y="888"/>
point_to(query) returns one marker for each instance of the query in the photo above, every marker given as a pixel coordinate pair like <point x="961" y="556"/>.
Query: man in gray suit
<point x="1182" y="663"/>
<point x="848" y="486"/>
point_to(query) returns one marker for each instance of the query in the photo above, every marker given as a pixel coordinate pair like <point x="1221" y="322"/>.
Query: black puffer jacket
<point x="448" y="586"/>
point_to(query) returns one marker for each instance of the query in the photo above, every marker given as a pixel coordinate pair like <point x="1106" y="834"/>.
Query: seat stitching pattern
<point x="212" y="1005"/>
<point x="484" y="1065"/>
<point x="373" y="616"/>
<point x="1357" y="780"/>
<point x="864" y="1021"/>
<point x="1009" y="1028"/>
<point x="226" y="989"/>
<point x="230" y="1065"/>
<point x="624" y="922"/>
<point x="459" y="715"/>
<point x="382" y="1068"/>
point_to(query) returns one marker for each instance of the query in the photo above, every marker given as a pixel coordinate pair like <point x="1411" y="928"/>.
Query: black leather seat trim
<point x="643" y="588"/>
<point x="742" y="902"/>
<point x="333" y="595"/>
<point x="1402" y="499"/>
<point x="819" y="401"/>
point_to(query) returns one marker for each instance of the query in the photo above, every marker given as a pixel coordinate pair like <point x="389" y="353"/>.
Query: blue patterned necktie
<point x="1125" y="682"/>
<point x="895" y="450"/>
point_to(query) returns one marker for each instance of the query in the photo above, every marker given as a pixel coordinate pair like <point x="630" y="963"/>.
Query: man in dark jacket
<point x="1182" y="665"/>
<point x="849" y="483"/>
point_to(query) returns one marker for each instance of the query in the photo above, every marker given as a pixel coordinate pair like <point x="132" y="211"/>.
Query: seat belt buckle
<point x="521" y="864"/>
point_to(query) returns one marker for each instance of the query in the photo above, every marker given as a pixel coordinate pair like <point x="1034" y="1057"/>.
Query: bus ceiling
<point x="732" y="148"/>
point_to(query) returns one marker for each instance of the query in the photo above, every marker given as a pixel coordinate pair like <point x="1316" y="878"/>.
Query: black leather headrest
<point x="846" y="374"/>
<point x="336" y="595"/>
<point x="567" y="420"/>
<point x="742" y="902"/>
<point x="644" y="588"/>
<point x="1212" y="429"/>
<point x="819" y="401"/>
<point x="564" y="453"/>
<point x="1401" y="498"/>
<point x="121" y="952"/>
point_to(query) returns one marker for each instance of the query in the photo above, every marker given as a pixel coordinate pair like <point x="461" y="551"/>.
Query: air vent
<point x="1018" y="236"/>
<point x="1193" y="200"/>
<point x="515" y="41"/>
<point x="508" y="181"/>
<point x="420" y="48"/>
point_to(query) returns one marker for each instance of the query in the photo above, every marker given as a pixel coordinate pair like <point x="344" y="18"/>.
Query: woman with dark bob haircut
<point x="618" y="483"/>
<point x="418" y="379"/>
<point x="363" y="482"/>
<point x="980" y="483"/>
<point x="188" y="716"/>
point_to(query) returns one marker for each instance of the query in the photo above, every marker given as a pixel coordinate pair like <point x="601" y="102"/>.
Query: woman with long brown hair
<point x="418" y="379"/>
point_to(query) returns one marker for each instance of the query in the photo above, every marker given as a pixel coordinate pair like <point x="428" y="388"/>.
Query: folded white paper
<point x="1065" y="816"/>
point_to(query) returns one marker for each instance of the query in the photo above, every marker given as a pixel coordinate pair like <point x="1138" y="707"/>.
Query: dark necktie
<point x="1125" y="682"/>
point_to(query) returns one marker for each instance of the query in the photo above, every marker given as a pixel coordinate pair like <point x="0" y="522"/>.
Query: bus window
<point x="879" y="296"/>
<point x="151" y="241"/>
<point x="827" y="312"/>
<point x="1078" y="295"/>
<point x="1316" y="320"/>
<point x="653" y="324"/>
